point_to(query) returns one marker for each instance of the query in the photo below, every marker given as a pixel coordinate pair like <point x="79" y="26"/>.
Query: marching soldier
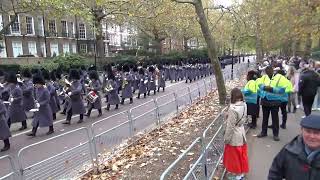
<point x="75" y="105"/>
<point x="111" y="89"/>
<point x="27" y="90"/>
<point x="5" y="133"/>
<point x="161" y="80"/>
<point x="142" y="83"/>
<point x="151" y="80"/>
<point x="56" y="86"/>
<point x="126" y="85"/>
<point x="95" y="87"/>
<point x="42" y="117"/>
<point x="16" y="111"/>
<point x="135" y="82"/>
<point x="52" y="91"/>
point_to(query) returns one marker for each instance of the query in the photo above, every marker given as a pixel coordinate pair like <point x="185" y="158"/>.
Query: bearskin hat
<point x="135" y="68"/>
<point x="45" y="74"/>
<point x="141" y="71"/>
<point x="36" y="71"/>
<point x="92" y="67"/>
<point x="160" y="67"/>
<point x="53" y="75"/>
<point x="125" y="68"/>
<point x="38" y="79"/>
<point x="151" y="69"/>
<point x="111" y="76"/>
<point x="1" y="73"/>
<point x="74" y="74"/>
<point x="93" y="75"/>
<point x="11" y="77"/>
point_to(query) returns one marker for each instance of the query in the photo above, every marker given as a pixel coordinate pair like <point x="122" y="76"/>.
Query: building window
<point x="54" y="48"/>
<point x="52" y="28"/>
<point x="82" y="31"/>
<point x="15" y="27"/>
<point x="1" y="23"/>
<point x="32" y="46"/>
<point x="83" y="48"/>
<point x="40" y="26"/>
<point x="64" y="26"/>
<point x="29" y="23"/>
<point x="74" y="48"/>
<point x="43" y="50"/>
<point x="72" y="30"/>
<point x="17" y="48"/>
<point x="3" y="52"/>
<point x="66" y="48"/>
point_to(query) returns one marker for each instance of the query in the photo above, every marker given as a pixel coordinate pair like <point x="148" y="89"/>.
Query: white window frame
<point x="66" y="48"/>
<point x="18" y="25"/>
<point x="35" y="47"/>
<point x="82" y="49"/>
<point x="3" y="53"/>
<point x="67" y="29"/>
<point x="43" y="49"/>
<point x="85" y="31"/>
<point x="13" y="47"/>
<point x="32" y="25"/>
<point x="1" y="22"/>
<point x="53" y="50"/>
<point x="40" y="26"/>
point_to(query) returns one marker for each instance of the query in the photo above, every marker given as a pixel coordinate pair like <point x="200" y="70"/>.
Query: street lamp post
<point x="233" y="39"/>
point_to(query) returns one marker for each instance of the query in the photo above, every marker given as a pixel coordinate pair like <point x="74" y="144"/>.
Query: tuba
<point x="124" y="82"/>
<point x="108" y="87"/>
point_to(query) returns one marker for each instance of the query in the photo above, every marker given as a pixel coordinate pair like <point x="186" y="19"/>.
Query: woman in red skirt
<point x="235" y="157"/>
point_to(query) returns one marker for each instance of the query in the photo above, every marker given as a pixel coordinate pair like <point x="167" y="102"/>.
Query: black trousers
<point x="307" y="102"/>
<point x="23" y="123"/>
<point x="69" y="115"/>
<point x="274" y="110"/>
<point x="284" y="112"/>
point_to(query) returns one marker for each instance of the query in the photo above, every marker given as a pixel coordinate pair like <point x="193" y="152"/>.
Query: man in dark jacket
<point x="300" y="159"/>
<point x="308" y="85"/>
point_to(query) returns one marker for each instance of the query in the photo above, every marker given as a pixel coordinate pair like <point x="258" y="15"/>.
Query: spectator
<point x="235" y="157"/>
<point x="300" y="160"/>
<point x="293" y="76"/>
<point x="308" y="85"/>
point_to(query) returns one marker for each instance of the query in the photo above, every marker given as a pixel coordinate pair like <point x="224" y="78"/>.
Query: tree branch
<point x="185" y="1"/>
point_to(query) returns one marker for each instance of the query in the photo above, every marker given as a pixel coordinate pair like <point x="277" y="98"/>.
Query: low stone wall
<point x="22" y="60"/>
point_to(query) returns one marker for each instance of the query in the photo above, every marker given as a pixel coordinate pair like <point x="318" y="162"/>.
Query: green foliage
<point x="68" y="61"/>
<point x="10" y="67"/>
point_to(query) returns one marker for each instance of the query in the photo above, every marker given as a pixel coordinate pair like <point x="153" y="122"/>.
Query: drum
<point x="92" y="97"/>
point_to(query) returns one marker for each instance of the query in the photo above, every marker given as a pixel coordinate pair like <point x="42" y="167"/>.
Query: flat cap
<point x="312" y="121"/>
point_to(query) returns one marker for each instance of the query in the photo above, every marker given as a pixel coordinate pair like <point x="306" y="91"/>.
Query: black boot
<point x="100" y="112"/>
<point x="154" y="92"/>
<point x="50" y="130"/>
<point x="6" y="145"/>
<point x="33" y="132"/>
<point x="148" y="93"/>
<point x="64" y="111"/>
<point x="81" y="119"/>
<point x="163" y="89"/>
<point x="144" y="95"/>
<point x="54" y="116"/>
<point x="138" y="96"/>
<point x="117" y="106"/>
<point x="158" y="89"/>
<point x="24" y="126"/>
<point x="88" y="113"/>
<point x="131" y="100"/>
<point x="108" y="107"/>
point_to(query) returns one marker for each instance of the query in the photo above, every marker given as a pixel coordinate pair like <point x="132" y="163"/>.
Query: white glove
<point x="37" y="105"/>
<point x="11" y="100"/>
<point x="69" y="93"/>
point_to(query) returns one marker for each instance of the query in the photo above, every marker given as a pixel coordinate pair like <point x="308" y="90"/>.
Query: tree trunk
<point x="100" y="48"/>
<point x="185" y="44"/>
<point x="211" y="51"/>
<point x="308" y="45"/>
<point x="259" y="50"/>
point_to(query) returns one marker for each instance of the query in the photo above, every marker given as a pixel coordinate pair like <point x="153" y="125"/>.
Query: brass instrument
<point x="108" y="87"/>
<point x="124" y="82"/>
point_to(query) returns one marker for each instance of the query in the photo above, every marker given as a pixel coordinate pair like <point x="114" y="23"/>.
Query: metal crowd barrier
<point x="71" y="159"/>
<point x="8" y="172"/>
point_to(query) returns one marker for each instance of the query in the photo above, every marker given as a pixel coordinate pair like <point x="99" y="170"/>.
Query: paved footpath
<point x="262" y="151"/>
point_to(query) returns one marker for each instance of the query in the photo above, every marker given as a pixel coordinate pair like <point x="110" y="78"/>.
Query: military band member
<point x="151" y="80"/>
<point x="56" y="85"/>
<point x="5" y="133"/>
<point x="161" y="80"/>
<point x="143" y="83"/>
<point x="126" y="85"/>
<point x="16" y="111"/>
<point x="75" y="105"/>
<point x="96" y="87"/>
<point x="135" y="82"/>
<point x="43" y="117"/>
<point x="111" y="88"/>
<point x="27" y="90"/>
<point x="52" y="92"/>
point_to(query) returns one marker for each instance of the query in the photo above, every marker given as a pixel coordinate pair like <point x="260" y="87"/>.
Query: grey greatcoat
<point x="173" y="73"/>
<point x="28" y="95"/>
<point x="4" y="128"/>
<point x="57" y="86"/>
<point x="126" y="86"/>
<point x="43" y="117"/>
<point x="135" y="82"/>
<point x="16" y="111"/>
<point x="151" y="81"/>
<point x="53" y="100"/>
<point x="113" y="94"/>
<point x="142" y="84"/>
<point x="96" y="86"/>
<point x="76" y="103"/>
<point x="161" y="80"/>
